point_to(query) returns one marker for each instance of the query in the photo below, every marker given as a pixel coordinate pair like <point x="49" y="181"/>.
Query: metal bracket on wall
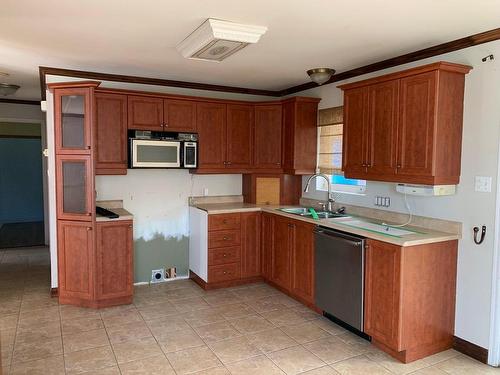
<point x="483" y="234"/>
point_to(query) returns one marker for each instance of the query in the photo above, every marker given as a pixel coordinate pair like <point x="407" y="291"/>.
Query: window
<point x="330" y="153"/>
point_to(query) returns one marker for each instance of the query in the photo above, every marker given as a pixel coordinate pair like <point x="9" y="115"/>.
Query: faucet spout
<point x="330" y="199"/>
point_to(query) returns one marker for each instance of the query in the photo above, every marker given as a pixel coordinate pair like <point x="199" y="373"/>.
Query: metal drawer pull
<point x="224" y="255"/>
<point x="225" y="238"/>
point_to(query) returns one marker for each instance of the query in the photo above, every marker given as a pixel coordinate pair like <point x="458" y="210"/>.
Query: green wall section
<point x="20" y="129"/>
<point x="160" y="252"/>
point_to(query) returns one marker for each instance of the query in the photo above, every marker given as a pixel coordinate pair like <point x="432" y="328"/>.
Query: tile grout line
<point x="110" y="343"/>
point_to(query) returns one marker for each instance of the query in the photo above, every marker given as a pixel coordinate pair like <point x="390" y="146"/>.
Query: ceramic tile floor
<point x="177" y="328"/>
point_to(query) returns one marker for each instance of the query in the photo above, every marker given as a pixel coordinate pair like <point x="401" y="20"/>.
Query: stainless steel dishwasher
<point x="340" y="264"/>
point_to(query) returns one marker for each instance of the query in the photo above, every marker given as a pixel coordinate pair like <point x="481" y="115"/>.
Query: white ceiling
<point x="139" y="37"/>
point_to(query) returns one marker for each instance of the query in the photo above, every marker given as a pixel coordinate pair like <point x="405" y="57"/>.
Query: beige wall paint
<point x="480" y="150"/>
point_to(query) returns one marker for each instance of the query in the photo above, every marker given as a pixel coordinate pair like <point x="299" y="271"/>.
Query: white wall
<point x="479" y="158"/>
<point x="158" y="199"/>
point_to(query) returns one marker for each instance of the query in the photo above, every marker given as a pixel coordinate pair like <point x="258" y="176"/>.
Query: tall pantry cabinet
<point x="78" y="264"/>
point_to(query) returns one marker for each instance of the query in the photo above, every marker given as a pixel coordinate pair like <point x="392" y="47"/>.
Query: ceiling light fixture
<point x="8" y="89"/>
<point x="320" y="75"/>
<point x="216" y="40"/>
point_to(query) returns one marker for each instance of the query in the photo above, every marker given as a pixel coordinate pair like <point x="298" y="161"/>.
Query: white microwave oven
<point x="160" y="153"/>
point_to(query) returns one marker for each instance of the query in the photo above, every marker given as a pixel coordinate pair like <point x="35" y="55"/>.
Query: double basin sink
<point x="347" y="220"/>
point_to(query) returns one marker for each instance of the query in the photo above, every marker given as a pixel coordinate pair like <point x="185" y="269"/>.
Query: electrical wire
<point x="410" y="215"/>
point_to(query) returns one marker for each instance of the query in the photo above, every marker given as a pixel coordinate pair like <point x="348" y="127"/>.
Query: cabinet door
<point x="145" y="113"/>
<point x="267" y="136"/>
<point x="250" y="244"/>
<point x="382" y="127"/>
<point x="211" y="127"/>
<point x="303" y="261"/>
<point x="114" y="260"/>
<point x="382" y="293"/>
<point x="73" y="120"/>
<point x="354" y="145"/>
<point x="75" y="248"/>
<point x="280" y="263"/>
<point x="267" y="230"/>
<point x="416" y="124"/>
<point x="110" y="133"/>
<point x="74" y="187"/>
<point x="240" y="123"/>
<point x="179" y="115"/>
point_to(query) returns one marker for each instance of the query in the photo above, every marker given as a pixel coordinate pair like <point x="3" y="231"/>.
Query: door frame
<point x="45" y="189"/>
<point x="494" y="344"/>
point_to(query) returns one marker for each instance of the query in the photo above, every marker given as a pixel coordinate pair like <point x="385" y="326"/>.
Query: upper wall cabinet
<point x="239" y="135"/>
<point x="268" y="136"/>
<point x="406" y="126"/>
<point x="300" y="127"/>
<point x="158" y="114"/>
<point x="211" y="125"/>
<point x="110" y="133"/>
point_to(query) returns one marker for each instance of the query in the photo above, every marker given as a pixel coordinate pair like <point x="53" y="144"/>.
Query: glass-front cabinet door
<point x="75" y="188"/>
<point x="73" y="120"/>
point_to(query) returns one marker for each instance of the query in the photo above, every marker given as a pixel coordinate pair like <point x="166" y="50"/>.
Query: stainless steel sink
<point x="302" y="211"/>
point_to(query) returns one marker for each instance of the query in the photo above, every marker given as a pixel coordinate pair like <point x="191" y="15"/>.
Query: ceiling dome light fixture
<point x="320" y="75"/>
<point x="8" y="89"/>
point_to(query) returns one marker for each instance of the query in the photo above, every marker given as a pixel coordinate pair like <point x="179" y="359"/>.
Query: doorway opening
<point x="21" y="185"/>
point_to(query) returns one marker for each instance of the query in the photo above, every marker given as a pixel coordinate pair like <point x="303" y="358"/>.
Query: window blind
<point x="330" y="140"/>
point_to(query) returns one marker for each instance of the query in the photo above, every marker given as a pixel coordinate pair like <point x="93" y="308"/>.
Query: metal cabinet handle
<point x="224" y="255"/>
<point x="89" y="213"/>
<point x="88" y="147"/>
<point x="225" y="238"/>
<point x="398" y="166"/>
<point x="363" y="165"/>
<point x="89" y="228"/>
<point x="224" y="272"/>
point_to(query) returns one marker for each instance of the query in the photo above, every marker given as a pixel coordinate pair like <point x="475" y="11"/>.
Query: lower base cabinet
<point x="288" y="255"/>
<point x="95" y="263"/>
<point x="410" y="298"/>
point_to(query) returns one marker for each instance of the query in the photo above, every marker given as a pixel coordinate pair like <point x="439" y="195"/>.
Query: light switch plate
<point x="483" y="184"/>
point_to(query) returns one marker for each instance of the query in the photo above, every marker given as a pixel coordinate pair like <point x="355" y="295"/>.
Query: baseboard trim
<point x="472" y="350"/>
<point x="54" y="292"/>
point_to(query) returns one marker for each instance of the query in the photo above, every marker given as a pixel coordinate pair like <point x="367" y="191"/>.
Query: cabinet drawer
<point x="223" y="222"/>
<point x="224" y="255"/>
<point x="224" y="238"/>
<point x="224" y="272"/>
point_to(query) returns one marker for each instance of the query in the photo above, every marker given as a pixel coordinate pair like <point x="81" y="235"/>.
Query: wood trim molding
<point x="454" y="45"/>
<point x="472" y="350"/>
<point x="44" y="70"/>
<point x="20" y="101"/>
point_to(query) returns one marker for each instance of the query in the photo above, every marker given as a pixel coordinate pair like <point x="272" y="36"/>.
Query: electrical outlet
<point x="157" y="276"/>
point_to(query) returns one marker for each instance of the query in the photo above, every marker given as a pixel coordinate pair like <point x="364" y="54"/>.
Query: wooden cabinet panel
<point x="223" y="222"/>
<point x="75" y="199"/>
<point x="267" y="241"/>
<point x="281" y="252"/>
<point x="268" y="136"/>
<point x="114" y="260"/>
<point x="211" y="127"/>
<point x="354" y="142"/>
<point x="382" y="127"/>
<point x="223" y="238"/>
<point x="302" y="259"/>
<point x="224" y="272"/>
<point x="416" y="124"/>
<point x="73" y="120"/>
<point x="145" y="113"/>
<point x="239" y="133"/>
<point x="250" y="244"/>
<point x="382" y="293"/>
<point x="179" y="115"/>
<point x="223" y="255"/>
<point x="75" y="260"/>
<point x="110" y="133"/>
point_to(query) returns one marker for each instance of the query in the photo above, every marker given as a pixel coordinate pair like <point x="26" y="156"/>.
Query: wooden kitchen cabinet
<point x="179" y="115"/>
<point x="75" y="254"/>
<point x="302" y="259"/>
<point x="281" y="252"/>
<point x="110" y="133"/>
<point x="211" y="126"/>
<point x="300" y="128"/>
<point x="403" y="127"/>
<point x="250" y="244"/>
<point x="145" y="113"/>
<point x="114" y="262"/>
<point x="268" y="136"/>
<point x="239" y="136"/>
<point x="410" y="298"/>
<point x="266" y="244"/>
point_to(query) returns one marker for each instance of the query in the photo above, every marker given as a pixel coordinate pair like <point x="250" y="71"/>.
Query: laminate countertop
<point x="420" y="237"/>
